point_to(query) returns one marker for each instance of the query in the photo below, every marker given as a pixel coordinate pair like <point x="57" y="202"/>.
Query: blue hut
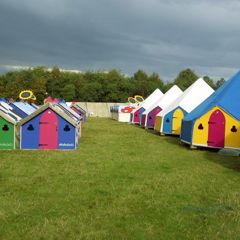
<point x="49" y="127"/>
<point x="216" y="122"/>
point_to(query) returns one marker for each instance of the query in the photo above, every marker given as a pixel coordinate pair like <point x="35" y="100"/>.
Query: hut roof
<point x="55" y="108"/>
<point x="227" y="97"/>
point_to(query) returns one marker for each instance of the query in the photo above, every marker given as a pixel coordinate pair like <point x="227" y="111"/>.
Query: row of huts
<point x="55" y="125"/>
<point x="199" y="115"/>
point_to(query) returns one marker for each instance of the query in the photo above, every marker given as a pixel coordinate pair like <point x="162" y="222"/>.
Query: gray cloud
<point x="154" y="35"/>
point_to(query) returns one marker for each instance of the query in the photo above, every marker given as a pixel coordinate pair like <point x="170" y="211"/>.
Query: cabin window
<point x="167" y="120"/>
<point x="5" y="128"/>
<point x="66" y="128"/>
<point x="30" y="127"/>
<point x="200" y="126"/>
<point x="233" y="129"/>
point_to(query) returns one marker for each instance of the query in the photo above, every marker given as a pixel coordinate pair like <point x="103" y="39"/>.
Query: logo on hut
<point x="66" y="145"/>
<point x="127" y="109"/>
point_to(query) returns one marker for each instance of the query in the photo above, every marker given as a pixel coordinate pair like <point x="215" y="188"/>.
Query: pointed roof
<point x="191" y="97"/>
<point x="153" y="97"/>
<point x="3" y="100"/>
<point x="25" y="107"/>
<point x="34" y="105"/>
<point x="7" y="109"/>
<point x="171" y="95"/>
<point x="227" y="97"/>
<point x="70" y="111"/>
<point x="76" y="105"/>
<point x="55" y="108"/>
<point x="7" y="117"/>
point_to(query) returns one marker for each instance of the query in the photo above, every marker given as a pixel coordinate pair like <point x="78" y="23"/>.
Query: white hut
<point x="169" y="121"/>
<point x="149" y="116"/>
<point x="136" y="114"/>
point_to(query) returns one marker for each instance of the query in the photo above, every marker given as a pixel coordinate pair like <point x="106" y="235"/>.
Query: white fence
<point x="96" y="109"/>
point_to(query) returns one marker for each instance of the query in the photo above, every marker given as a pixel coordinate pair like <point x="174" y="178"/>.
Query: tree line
<point x="91" y="86"/>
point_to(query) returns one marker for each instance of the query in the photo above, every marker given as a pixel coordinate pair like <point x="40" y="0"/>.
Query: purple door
<point x="48" y="130"/>
<point x="143" y="120"/>
<point x="216" y="129"/>
<point x="152" y="117"/>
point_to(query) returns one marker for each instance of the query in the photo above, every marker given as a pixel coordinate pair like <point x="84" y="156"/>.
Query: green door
<point x="6" y="134"/>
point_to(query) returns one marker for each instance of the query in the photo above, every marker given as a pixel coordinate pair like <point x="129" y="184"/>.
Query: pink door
<point x="48" y="130"/>
<point x="136" y="115"/>
<point x="216" y="129"/>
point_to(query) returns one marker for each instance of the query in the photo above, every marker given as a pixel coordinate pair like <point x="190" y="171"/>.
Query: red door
<point x="48" y="130"/>
<point x="216" y="129"/>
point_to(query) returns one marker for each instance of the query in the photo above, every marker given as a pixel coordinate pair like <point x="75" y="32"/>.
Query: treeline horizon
<point x="91" y="86"/>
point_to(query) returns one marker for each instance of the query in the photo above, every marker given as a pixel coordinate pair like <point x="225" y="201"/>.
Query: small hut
<point x="49" y="127"/>
<point x="136" y="115"/>
<point x="169" y="121"/>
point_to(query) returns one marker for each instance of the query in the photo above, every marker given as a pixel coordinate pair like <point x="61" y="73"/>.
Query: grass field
<point x="122" y="183"/>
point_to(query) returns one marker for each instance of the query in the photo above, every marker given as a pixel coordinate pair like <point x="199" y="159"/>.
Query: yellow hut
<point x="216" y="122"/>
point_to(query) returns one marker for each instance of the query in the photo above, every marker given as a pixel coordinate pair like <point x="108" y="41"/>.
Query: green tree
<point x="140" y="81"/>
<point x="155" y="82"/>
<point x="209" y="81"/>
<point x="220" y="82"/>
<point x="185" y="79"/>
<point x="68" y="92"/>
<point x="39" y="89"/>
<point x="53" y="83"/>
<point x="167" y="86"/>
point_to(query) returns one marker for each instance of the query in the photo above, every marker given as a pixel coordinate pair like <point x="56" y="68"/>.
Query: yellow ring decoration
<point x="28" y="95"/>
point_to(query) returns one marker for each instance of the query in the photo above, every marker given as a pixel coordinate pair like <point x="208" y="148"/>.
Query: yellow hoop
<point x="138" y="98"/>
<point x="131" y="100"/>
<point x="27" y="95"/>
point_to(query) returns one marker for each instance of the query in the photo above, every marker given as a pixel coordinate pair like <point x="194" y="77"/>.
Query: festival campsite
<point x="77" y="166"/>
<point x="119" y="120"/>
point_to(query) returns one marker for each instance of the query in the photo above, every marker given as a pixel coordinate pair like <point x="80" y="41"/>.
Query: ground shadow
<point x="152" y="131"/>
<point x="231" y="162"/>
<point x="211" y="154"/>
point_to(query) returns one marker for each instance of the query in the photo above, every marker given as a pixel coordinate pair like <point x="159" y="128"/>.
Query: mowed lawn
<point x="122" y="183"/>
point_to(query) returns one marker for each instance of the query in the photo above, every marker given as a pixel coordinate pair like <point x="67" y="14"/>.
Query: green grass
<point x="122" y="183"/>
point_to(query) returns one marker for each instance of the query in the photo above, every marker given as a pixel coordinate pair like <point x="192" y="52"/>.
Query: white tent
<point x="153" y="97"/>
<point x="149" y="115"/>
<point x="190" y="99"/>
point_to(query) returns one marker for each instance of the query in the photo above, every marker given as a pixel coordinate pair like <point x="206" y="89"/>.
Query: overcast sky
<point x="163" y="36"/>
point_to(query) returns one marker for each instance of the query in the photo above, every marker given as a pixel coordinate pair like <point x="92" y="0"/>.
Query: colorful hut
<point x="169" y="121"/>
<point x="73" y="114"/>
<point x="7" y="131"/>
<point x="63" y="106"/>
<point x="78" y="109"/>
<point x="216" y="122"/>
<point x="49" y="127"/>
<point x="121" y="113"/>
<point x="149" y="116"/>
<point x="136" y="115"/>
